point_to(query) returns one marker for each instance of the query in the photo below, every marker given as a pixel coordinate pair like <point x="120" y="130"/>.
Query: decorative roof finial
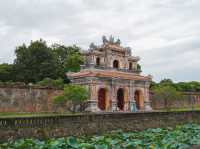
<point x="118" y="42"/>
<point x="104" y="39"/>
<point x="111" y="39"/>
<point x="93" y="46"/>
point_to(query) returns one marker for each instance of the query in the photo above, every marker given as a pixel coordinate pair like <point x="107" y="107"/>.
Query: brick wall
<point x="40" y="99"/>
<point x="26" y="99"/>
<point x="190" y="100"/>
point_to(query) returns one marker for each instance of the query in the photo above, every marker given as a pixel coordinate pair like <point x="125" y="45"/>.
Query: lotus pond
<point x="180" y="137"/>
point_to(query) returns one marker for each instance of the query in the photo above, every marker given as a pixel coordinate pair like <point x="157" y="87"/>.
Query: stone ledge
<point x="92" y="123"/>
<point x="17" y="86"/>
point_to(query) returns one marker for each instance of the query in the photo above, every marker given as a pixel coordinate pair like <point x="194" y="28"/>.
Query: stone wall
<point x="26" y="99"/>
<point x="40" y="99"/>
<point x="89" y="124"/>
<point x="190" y="100"/>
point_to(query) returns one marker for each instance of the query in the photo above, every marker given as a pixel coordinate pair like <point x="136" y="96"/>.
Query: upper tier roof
<point x="108" y="74"/>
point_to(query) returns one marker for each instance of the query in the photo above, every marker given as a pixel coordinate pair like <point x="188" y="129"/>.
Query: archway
<point x="97" y="61"/>
<point x="115" y="64"/>
<point x="102" y="98"/>
<point x="138" y="99"/>
<point x="130" y="66"/>
<point x="120" y="99"/>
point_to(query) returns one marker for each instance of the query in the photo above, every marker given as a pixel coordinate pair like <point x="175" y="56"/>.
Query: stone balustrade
<point x="88" y="124"/>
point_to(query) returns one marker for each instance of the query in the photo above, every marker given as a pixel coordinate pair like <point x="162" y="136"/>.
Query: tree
<point x="6" y="72"/>
<point x="34" y="62"/>
<point x="192" y="86"/>
<point x="72" y="63"/>
<point x="68" y="59"/>
<point x="37" y="61"/>
<point x="48" y="82"/>
<point x="167" y="94"/>
<point x="153" y="85"/>
<point x="166" y="82"/>
<point x="139" y="67"/>
<point x="73" y="95"/>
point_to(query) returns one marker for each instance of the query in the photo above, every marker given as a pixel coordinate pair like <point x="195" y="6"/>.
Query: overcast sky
<point x="164" y="33"/>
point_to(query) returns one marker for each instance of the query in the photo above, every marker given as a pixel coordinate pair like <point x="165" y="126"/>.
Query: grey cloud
<point x="165" y="34"/>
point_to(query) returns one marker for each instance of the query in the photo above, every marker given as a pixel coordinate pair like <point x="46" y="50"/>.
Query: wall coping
<point x="18" y="86"/>
<point x="184" y="93"/>
<point x="100" y="114"/>
<point x="29" y="87"/>
<point x="90" y="124"/>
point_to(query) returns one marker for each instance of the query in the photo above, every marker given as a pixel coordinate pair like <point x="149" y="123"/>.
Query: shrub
<point x="74" y="95"/>
<point x="52" y="83"/>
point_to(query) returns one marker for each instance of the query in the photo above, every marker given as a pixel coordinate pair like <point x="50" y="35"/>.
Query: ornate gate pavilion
<point x="112" y="76"/>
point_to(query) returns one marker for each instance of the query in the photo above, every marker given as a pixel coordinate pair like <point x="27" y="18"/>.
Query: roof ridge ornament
<point x="93" y="46"/>
<point x="104" y="39"/>
<point x="111" y="40"/>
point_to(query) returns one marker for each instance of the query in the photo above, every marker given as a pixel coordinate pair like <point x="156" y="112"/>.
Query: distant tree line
<point x="192" y="86"/>
<point x="38" y="62"/>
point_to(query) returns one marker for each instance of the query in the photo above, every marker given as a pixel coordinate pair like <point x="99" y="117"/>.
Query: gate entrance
<point x="138" y="100"/>
<point x="102" y="99"/>
<point x="120" y="99"/>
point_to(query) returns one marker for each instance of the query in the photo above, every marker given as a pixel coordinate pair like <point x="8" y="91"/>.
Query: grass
<point x="35" y="114"/>
<point x="180" y="109"/>
<point x="39" y="114"/>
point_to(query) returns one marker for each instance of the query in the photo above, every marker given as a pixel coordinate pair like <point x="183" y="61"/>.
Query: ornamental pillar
<point x="147" y="103"/>
<point x="91" y="104"/>
<point x="132" y="104"/>
<point x="113" y="96"/>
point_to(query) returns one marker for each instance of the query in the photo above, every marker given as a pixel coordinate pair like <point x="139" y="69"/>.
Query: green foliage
<point x="139" y="67"/>
<point x="6" y="72"/>
<point x="60" y="100"/>
<point x="72" y="63"/>
<point x="48" y="82"/>
<point x="166" y="92"/>
<point x="35" y="62"/>
<point x="153" y="85"/>
<point x="74" y="94"/>
<point x="166" y="82"/>
<point x="68" y="59"/>
<point x="192" y="86"/>
<point x="180" y="137"/>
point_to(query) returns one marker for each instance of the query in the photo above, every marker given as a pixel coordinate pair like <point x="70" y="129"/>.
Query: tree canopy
<point x="192" y="86"/>
<point x="34" y="62"/>
<point x="72" y="63"/>
<point x="37" y="61"/>
<point x="68" y="59"/>
<point x="6" y="72"/>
